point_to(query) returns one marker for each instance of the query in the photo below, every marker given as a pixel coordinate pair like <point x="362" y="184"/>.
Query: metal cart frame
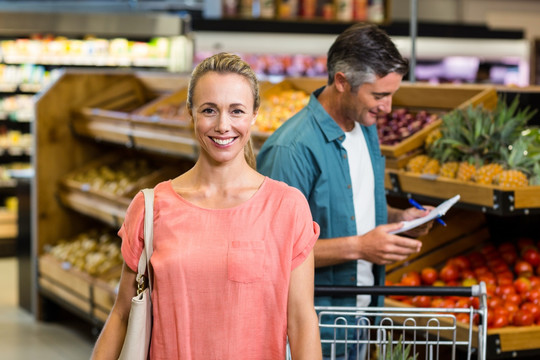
<point x="432" y="331"/>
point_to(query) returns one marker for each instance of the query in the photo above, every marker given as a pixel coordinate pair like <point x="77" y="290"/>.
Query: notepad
<point x="433" y="214"/>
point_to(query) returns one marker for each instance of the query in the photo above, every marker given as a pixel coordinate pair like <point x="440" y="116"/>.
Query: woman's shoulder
<point x="287" y="191"/>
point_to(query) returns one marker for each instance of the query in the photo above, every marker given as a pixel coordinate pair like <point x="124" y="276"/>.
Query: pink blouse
<point x="221" y="276"/>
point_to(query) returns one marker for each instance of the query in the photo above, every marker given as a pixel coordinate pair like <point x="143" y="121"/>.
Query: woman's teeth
<point x="223" y="141"/>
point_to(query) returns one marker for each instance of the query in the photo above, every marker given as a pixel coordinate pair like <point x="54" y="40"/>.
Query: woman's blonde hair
<point x="224" y="63"/>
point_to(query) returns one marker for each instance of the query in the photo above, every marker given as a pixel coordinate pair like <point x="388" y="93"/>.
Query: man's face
<point x="372" y="99"/>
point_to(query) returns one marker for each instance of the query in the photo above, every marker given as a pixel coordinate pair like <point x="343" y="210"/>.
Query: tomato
<point x="481" y="270"/>
<point x="463" y="318"/>
<point x="512" y="297"/>
<point x="523" y="268"/>
<point x="437" y="302"/>
<point x="467" y="274"/>
<point x="532" y="256"/>
<point x="512" y="309"/>
<point x="523" y="318"/>
<point x="524" y="242"/>
<point x="533" y="296"/>
<point x="429" y="275"/>
<point x="461" y="262"/>
<point x="535" y="281"/>
<point x="522" y="285"/>
<point x="506" y="278"/>
<point x="504" y="290"/>
<point x="533" y="309"/>
<point x="500" y="268"/>
<point x="411" y="278"/>
<point x="510" y="257"/>
<point x="488" y="250"/>
<point x="494" y="302"/>
<point x="498" y="321"/>
<point x="449" y="273"/>
<point x="475" y="302"/>
<point x="463" y="303"/>
<point x="421" y="301"/>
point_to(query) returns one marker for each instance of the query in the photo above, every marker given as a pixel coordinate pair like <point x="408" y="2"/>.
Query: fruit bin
<point x="165" y="125"/>
<point x="435" y="99"/>
<point x="105" y="116"/>
<point x="91" y="296"/>
<point x="279" y="102"/>
<point x="487" y="198"/>
<point x="88" y="191"/>
<point x="466" y="233"/>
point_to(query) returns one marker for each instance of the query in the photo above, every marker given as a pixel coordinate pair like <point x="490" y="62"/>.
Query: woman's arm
<point x="302" y="323"/>
<point x="111" y="339"/>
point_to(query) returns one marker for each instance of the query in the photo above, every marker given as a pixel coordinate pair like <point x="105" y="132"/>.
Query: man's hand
<point x="380" y="247"/>
<point x="414" y="213"/>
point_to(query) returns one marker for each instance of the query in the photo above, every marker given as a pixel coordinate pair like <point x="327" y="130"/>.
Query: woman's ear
<point x="254" y="117"/>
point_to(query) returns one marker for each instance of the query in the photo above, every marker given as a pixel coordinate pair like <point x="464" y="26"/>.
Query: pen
<point x="418" y="206"/>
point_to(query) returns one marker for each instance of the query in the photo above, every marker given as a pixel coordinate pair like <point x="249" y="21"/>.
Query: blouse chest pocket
<point x="245" y="261"/>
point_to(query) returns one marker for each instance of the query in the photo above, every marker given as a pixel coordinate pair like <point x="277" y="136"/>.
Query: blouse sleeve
<point x="306" y="230"/>
<point x="132" y="232"/>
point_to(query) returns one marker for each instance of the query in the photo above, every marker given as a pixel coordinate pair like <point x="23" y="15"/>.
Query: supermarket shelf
<point x="486" y="198"/>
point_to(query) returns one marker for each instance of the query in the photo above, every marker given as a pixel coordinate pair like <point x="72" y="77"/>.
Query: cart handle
<point x="475" y="290"/>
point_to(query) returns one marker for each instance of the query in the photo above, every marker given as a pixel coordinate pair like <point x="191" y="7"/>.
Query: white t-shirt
<point x="363" y="187"/>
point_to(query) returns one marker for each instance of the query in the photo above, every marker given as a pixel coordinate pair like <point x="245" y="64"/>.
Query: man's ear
<point x="341" y="82"/>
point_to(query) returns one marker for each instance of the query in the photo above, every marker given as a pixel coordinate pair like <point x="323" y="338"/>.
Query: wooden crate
<point x="486" y="196"/>
<point x="172" y="134"/>
<point x="105" y="206"/>
<point x="67" y="283"/>
<point x="104" y="294"/>
<point x="437" y="99"/>
<point x="105" y="116"/>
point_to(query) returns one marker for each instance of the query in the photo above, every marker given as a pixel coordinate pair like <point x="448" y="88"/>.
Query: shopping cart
<point x="405" y="332"/>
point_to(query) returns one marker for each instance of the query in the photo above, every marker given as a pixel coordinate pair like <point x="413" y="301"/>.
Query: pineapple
<point x="449" y="169"/>
<point x="466" y="171"/>
<point x="432" y="167"/>
<point x="511" y="179"/>
<point x="519" y="164"/>
<point x="486" y="173"/>
<point x="417" y="163"/>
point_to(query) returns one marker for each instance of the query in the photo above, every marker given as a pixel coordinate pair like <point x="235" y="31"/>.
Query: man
<point x="330" y="151"/>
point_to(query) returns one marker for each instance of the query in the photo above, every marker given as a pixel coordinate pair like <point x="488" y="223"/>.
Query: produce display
<point x="116" y="178"/>
<point x="487" y="147"/>
<point x="402" y="123"/>
<point x="95" y="252"/>
<point x="172" y="111"/>
<point x="510" y="270"/>
<point x="278" y="108"/>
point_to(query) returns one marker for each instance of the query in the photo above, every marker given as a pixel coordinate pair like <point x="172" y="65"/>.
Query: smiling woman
<point x="234" y="245"/>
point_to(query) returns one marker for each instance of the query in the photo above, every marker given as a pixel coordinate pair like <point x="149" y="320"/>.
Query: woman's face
<point x="222" y="110"/>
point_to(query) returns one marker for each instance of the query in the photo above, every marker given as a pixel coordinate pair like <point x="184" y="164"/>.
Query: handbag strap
<point x="144" y="260"/>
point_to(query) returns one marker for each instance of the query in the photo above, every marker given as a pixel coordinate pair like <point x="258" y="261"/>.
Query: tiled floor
<point x="22" y="337"/>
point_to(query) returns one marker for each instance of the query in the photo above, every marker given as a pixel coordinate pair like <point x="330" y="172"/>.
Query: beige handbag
<point x="139" y="329"/>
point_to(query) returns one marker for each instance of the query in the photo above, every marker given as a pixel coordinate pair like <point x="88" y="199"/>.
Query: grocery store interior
<point x="92" y="109"/>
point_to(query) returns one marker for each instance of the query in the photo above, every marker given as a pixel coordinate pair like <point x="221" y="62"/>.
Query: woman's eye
<point x="237" y="112"/>
<point x="208" y="111"/>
